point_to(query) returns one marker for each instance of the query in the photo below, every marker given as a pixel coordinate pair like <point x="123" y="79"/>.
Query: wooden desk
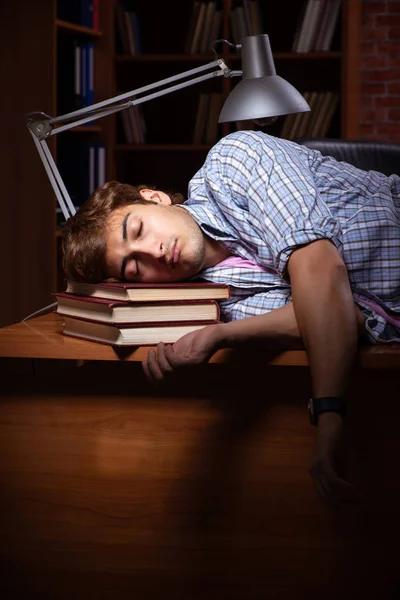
<point x="196" y="490"/>
<point x="40" y="338"/>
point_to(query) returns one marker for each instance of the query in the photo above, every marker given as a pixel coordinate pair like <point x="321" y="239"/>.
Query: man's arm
<point x="329" y="323"/>
<point x="275" y="329"/>
<point x="324" y="317"/>
<point x="325" y="313"/>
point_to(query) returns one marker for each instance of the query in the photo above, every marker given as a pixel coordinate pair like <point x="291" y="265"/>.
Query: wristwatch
<point x="316" y="406"/>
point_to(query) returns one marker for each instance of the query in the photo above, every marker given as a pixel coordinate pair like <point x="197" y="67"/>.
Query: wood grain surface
<point x="195" y="490"/>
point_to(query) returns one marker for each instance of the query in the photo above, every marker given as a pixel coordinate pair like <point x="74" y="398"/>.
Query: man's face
<point x="153" y="243"/>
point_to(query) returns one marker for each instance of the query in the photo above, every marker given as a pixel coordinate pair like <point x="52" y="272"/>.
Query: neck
<point x="215" y="252"/>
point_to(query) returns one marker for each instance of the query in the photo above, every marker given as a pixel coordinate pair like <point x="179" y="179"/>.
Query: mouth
<point x="173" y="254"/>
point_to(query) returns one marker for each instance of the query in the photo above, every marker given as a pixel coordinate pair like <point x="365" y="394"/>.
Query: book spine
<point x="96" y="14"/>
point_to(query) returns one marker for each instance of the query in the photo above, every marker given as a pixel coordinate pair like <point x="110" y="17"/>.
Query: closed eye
<point x="140" y="230"/>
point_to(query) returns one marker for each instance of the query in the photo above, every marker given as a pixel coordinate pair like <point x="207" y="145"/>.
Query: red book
<point x="138" y="335"/>
<point x="126" y="313"/>
<point x="151" y="292"/>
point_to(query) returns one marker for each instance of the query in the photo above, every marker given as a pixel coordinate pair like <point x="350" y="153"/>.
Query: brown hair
<point x="83" y="235"/>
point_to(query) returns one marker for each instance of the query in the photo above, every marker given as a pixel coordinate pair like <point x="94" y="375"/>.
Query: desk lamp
<point x="260" y="95"/>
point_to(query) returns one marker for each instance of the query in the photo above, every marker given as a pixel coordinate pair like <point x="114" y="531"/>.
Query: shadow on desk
<point x="111" y="488"/>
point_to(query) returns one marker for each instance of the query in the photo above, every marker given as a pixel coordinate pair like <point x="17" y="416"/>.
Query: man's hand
<point x="194" y="348"/>
<point x="333" y="490"/>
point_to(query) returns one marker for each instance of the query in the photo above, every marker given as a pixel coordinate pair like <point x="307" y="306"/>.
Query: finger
<point x="153" y="366"/>
<point x="321" y="491"/>
<point x="146" y="370"/>
<point x="163" y="362"/>
<point x="345" y="492"/>
<point x="338" y="489"/>
<point x="324" y="486"/>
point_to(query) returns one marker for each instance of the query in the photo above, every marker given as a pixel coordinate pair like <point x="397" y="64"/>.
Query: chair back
<point x="368" y="155"/>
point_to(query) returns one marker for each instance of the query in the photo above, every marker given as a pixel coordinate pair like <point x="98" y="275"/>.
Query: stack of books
<point x="123" y="314"/>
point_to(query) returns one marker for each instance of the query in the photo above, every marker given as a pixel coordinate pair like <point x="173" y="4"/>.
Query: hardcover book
<point x="150" y="292"/>
<point x="137" y="335"/>
<point x="128" y="313"/>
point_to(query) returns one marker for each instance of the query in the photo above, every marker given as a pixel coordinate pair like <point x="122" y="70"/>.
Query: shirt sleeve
<point x="274" y="181"/>
<point x="257" y="304"/>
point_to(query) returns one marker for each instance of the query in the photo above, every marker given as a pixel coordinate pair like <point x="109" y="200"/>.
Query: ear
<point x="156" y="196"/>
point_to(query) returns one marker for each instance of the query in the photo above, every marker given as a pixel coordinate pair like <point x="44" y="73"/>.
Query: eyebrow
<point x="124" y="237"/>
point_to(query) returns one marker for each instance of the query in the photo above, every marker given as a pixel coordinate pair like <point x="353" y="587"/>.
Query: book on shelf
<point x="328" y="27"/>
<point x="316" y="25"/>
<point x="126" y="126"/>
<point x="199" y="28"/>
<point x="320" y="114"/>
<point x="239" y="18"/>
<point x="133" y="125"/>
<point x="201" y="118"/>
<point x="82" y="166"/>
<point x="256" y="17"/>
<point x="314" y="116"/>
<point x="206" y="125"/>
<point x="150" y="292"/>
<point x="80" y="12"/>
<point x="310" y="27"/>
<point x="330" y="112"/>
<point x="246" y="19"/>
<point x="291" y="121"/>
<point x="90" y="13"/>
<point x="302" y="126"/>
<point x="211" y="132"/>
<point x="192" y="26"/>
<point x="216" y="28"/>
<point x="122" y="38"/>
<point x="115" y="335"/>
<point x="296" y="122"/>
<point x="205" y="40"/>
<point x="323" y="106"/>
<point x="75" y="60"/>
<point x="127" y="30"/>
<point x="123" y="312"/>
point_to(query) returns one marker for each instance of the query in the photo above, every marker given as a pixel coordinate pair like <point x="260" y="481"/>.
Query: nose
<point x="151" y="248"/>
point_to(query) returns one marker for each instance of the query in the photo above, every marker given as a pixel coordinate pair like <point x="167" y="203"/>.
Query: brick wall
<point x="380" y="70"/>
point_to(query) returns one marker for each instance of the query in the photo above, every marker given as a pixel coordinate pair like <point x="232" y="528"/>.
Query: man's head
<point x="132" y="233"/>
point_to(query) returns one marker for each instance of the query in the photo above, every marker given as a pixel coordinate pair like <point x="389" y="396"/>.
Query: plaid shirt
<point x="263" y="197"/>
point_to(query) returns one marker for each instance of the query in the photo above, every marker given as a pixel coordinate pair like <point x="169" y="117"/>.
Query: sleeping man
<point x="309" y="246"/>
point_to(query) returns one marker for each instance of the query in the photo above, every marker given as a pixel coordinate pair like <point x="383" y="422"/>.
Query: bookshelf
<point x="168" y="157"/>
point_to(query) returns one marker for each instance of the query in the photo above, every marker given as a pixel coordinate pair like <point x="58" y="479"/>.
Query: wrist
<point x="220" y="335"/>
<point x="329" y="418"/>
<point x="217" y="336"/>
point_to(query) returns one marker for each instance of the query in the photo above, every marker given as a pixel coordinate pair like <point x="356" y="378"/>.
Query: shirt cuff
<point x="301" y="237"/>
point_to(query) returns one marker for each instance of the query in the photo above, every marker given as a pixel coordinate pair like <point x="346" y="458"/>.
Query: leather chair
<point x="367" y="155"/>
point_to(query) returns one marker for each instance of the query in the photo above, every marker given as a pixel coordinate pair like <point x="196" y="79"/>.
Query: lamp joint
<point x="41" y="128"/>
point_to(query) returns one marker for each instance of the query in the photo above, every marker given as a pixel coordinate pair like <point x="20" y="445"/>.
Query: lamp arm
<point x="44" y="127"/>
<point x="63" y="198"/>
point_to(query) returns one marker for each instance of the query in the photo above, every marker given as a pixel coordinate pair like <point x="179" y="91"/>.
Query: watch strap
<point x="316" y="406"/>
